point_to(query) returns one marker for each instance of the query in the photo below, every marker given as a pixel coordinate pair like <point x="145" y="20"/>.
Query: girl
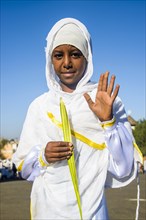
<point x="102" y="140"/>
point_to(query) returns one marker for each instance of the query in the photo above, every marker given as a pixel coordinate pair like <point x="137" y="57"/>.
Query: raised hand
<point x="105" y="97"/>
<point x="58" y="150"/>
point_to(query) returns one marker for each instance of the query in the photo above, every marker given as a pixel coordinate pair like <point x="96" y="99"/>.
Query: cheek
<point x="82" y="67"/>
<point x="56" y="66"/>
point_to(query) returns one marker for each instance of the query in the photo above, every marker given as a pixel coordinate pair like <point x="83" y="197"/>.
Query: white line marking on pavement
<point x="133" y="200"/>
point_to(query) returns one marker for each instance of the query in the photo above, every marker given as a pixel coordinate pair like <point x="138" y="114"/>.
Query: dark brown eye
<point x="58" y="55"/>
<point x="76" y="54"/>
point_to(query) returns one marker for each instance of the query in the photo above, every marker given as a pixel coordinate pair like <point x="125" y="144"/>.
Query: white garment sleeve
<point x="28" y="157"/>
<point x="120" y="145"/>
<point x="120" y="142"/>
<point x="34" y="164"/>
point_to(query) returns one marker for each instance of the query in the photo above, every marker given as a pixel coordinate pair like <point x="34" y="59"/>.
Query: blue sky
<point x="117" y="29"/>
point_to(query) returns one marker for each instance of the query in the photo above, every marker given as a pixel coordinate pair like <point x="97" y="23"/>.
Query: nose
<point x="67" y="62"/>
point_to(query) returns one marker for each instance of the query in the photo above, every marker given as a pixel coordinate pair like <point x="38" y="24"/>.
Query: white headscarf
<point x="57" y="37"/>
<point x="71" y="34"/>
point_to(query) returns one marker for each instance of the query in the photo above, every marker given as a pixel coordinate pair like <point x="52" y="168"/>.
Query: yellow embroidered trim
<point x="88" y="141"/>
<point x="19" y="168"/>
<point x="138" y="150"/>
<point x="51" y="116"/>
<point x="41" y="161"/>
<point x="77" y="135"/>
<point x="108" y="124"/>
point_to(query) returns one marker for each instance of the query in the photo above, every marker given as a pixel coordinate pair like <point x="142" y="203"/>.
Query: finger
<point x="59" y="146"/>
<point x="64" y="149"/>
<point x="63" y="143"/>
<point x="53" y="160"/>
<point x="89" y="100"/>
<point x="59" y="149"/>
<point x="63" y="146"/>
<point x="111" y="85"/>
<point x="100" y="82"/>
<point x="105" y="81"/>
<point x="115" y="93"/>
<point x="59" y="155"/>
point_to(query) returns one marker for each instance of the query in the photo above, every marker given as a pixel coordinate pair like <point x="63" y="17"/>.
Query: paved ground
<point x="121" y="202"/>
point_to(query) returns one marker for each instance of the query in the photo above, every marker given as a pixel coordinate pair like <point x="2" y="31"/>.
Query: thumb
<point x="89" y="100"/>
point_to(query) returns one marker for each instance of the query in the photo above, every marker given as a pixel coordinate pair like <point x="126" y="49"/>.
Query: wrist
<point x="109" y="118"/>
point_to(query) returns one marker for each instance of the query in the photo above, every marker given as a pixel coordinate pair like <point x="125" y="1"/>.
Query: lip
<point x="67" y="72"/>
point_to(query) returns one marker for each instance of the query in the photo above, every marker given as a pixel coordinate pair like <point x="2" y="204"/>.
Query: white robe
<point x="52" y="195"/>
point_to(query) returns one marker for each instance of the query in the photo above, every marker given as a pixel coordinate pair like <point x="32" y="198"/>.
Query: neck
<point x="68" y="88"/>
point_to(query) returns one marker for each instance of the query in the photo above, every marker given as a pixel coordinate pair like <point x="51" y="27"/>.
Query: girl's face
<point x="69" y="64"/>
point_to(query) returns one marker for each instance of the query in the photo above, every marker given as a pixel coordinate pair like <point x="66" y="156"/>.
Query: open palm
<point x="105" y="97"/>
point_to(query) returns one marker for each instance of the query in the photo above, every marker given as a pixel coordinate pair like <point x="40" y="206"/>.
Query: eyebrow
<point x="71" y="50"/>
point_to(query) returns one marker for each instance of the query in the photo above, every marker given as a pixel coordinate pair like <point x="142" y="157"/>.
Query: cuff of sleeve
<point x="109" y="125"/>
<point x="42" y="160"/>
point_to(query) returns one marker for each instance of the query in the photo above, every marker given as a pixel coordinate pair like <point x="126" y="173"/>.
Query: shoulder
<point x="38" y="102"/>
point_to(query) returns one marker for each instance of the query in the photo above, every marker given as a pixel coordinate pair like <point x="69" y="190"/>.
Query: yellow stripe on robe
<point x="88" y="141"/>
<point x="77" y="135"/>
<point x="139" y="152"/>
